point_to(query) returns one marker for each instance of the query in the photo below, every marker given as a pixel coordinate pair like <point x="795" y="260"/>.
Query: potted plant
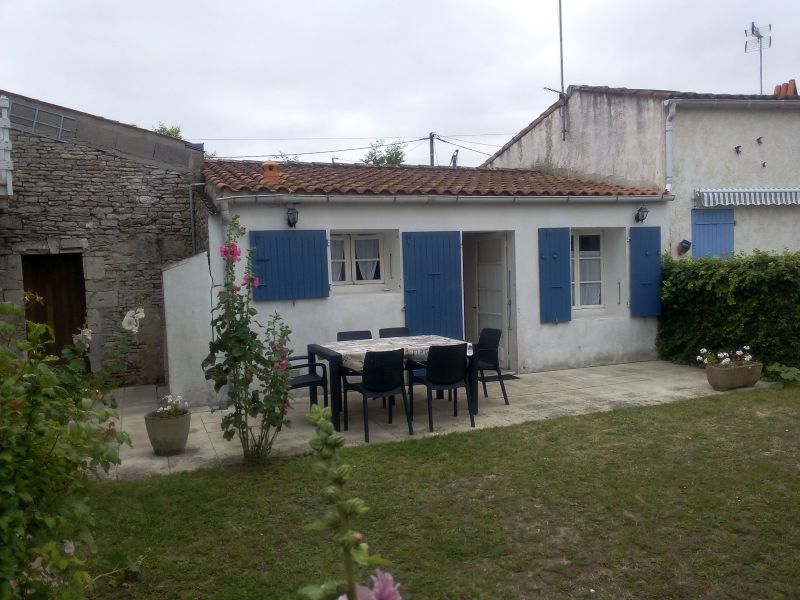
<point x="730" y="370"/>
<point x="168" y="425"/>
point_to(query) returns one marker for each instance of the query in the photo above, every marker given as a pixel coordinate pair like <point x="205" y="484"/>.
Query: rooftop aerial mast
<point x="758" y="38"/>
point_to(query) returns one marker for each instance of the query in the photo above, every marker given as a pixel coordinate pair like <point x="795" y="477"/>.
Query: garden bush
<point x="53" y="436"/>
<point x="726" y="303"/>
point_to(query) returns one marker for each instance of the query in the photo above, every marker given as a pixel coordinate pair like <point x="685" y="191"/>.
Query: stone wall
<point x="126" y="217"/>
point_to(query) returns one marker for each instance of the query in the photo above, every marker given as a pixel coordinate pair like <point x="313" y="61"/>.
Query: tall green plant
<point x="53" y="437"/>
<point x="254" y="369"/>
<point x="354" y="550"/>
<point x="726" y="303"/>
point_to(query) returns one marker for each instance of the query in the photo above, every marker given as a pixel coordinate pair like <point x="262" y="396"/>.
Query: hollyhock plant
<point x="354" y="550"/>
<point x="251" y="359"/>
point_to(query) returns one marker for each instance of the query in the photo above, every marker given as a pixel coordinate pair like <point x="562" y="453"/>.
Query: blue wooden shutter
<point x="432" y="283"/>
<point x="291" y="264"/>
<point x="712" y="232"/>
<point x="645" y="265"/>
<point x="555" y="299"/>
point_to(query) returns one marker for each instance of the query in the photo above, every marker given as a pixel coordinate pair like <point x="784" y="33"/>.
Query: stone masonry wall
<point x="126" y="217"/>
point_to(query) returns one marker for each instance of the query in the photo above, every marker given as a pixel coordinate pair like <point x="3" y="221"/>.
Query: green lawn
<point x="697" y="499"/>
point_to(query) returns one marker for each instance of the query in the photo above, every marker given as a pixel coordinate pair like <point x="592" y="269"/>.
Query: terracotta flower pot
<point x="729" y="378"/>
<point x="168" y="435"/>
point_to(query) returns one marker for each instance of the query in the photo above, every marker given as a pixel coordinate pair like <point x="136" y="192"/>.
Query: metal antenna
<point x="758" y="37"/>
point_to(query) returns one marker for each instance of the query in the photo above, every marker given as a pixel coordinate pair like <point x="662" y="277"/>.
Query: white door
<point x="492" y="289"/>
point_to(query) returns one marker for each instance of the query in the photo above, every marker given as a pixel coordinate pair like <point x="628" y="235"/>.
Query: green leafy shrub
<point x="784" y="376"/>
<point x="255" y="369"/>
<point x="723" y="303"/>
<point x="53" y="437"/>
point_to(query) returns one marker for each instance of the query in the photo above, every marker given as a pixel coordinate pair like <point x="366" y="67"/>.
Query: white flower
<point x="130" y="322"/>
<point x="746" y="347"/>
<point x="86" y="333"/>
<point x="748" y="358"/>
<point x="705" y="360"/>
<point x="726" y="361"/>
<point x="720" y="355"/>
<point x="69" y="547"/>
<point x="139" y="314"/>
<point x="703" y="350"/>
<point x="699" y="359"/>
<point x="739" y="353"/>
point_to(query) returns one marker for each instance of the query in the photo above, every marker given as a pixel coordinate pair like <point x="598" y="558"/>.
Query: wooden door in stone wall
<point x="58" y="280"/>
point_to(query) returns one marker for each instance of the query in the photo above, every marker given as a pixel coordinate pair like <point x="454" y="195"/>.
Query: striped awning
<point x="748" y="197"/>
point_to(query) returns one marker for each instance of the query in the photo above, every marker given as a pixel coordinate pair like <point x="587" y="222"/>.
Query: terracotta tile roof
<point x="324" y="178"/>
<point x="781" y="93"/>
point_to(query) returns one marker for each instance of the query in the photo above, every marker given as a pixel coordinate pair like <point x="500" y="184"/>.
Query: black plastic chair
<point x="446" y="369"/>
<point x="311" y="379"/>
<point x="488" y="358"/>
<point x="393" y="332"/>
<point x="347" y="336"/>
<point x="382" y="376"/>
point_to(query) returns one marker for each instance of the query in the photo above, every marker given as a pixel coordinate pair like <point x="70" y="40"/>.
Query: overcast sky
<point x="373" y="69"/>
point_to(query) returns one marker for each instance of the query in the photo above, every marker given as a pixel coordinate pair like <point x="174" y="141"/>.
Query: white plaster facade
<point x="620" y="136"/>
<point x="594" y="336"/>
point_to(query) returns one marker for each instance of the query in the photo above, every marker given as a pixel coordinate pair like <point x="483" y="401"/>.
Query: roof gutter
<point x="672" y="106"/>
<point x="290" y="199"/>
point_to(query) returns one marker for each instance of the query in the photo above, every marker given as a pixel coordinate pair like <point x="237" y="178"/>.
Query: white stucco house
<point x="561" y="265"/>
<point x="731" y="161"/>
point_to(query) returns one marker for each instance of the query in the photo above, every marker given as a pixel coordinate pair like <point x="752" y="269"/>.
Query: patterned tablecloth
<point x="416" y="347"/>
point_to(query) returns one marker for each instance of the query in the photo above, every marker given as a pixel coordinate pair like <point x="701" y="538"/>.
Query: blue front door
<point x="432" y="283"/>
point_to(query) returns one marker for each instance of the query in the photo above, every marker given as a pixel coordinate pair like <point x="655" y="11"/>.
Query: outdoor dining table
<point x="351" y="354"/>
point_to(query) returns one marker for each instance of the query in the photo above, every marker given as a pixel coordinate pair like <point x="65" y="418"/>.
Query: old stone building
<point x="90" y="211"/>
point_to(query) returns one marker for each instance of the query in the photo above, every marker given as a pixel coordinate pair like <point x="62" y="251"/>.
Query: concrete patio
<point x="535" y="396"/>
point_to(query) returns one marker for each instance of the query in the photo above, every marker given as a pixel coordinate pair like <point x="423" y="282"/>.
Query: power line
<point x="323" y="151"/>
<point x="465" y="147"/>
<point x="313" y="139"/>
<point x="469" y="142"/>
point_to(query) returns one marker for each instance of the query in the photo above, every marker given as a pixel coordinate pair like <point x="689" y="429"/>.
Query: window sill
<point x="360" y="288"/>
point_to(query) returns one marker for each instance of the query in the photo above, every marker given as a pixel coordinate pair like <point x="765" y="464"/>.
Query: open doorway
<point x="58" y="280"/>
<point x="489" y="289"/>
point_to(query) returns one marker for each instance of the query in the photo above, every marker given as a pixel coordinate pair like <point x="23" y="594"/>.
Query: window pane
<point x="589" y="243"/>
<point x="590" y="294"/>
<point x="591" y="269"/>
<point x="368" y="270"/>
<point x="337" y="271"/>
<point x="367" y="249"/>
<point x="337" y="249"/>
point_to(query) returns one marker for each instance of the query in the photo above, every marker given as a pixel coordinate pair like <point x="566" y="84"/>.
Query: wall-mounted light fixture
<point x="683" y="247"/>
<point x="292" y="216"/>
<point x="641" y="214"/>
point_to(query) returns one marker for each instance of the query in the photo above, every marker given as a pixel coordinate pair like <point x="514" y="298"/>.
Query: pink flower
<point x="230" y="251"/>
<point x="357" y="536"/>
<point x="384" y="587"/>
<point x="71" y="423"/>
<point x="256" y="281"/>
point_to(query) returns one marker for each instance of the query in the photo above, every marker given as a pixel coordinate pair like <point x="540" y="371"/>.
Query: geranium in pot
<point x="168" y="425"/>
<point x="730" y="370"/>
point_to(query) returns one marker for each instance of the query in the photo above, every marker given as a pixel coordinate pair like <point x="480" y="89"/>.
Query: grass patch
<point x="696" y="499"/>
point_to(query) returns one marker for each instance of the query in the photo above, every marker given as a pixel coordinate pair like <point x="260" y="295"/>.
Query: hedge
<point x="723" y="304"/>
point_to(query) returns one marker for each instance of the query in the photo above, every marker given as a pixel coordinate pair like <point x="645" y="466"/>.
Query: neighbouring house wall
<point x="610" y="137"/>
<point x="127" y="218"/>
<point x="704" y="157"/>
<point x="593" y="337"/>
<point x="187" y="311"/>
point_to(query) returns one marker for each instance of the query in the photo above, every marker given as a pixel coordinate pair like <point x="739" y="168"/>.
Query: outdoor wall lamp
<point x="641" y="214"/>
<point x="291" y="216"/>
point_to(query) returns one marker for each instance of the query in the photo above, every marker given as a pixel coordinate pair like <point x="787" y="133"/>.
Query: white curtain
<point x="337" y="260"/>
<point x="367" y="255"/>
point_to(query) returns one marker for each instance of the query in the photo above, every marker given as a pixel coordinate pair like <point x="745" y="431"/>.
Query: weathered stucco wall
<point x="593" y="337"/>
<point x="126" y="217"/>
<point x="705" y="157"/>
<point x="610" y="138"/>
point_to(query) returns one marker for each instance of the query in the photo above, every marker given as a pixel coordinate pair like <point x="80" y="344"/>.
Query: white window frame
<point x="349" y="240"/>
<point x="574" y="261"/>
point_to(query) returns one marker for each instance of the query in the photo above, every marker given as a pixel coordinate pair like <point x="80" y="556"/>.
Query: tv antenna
<point x="758" y="38"/>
